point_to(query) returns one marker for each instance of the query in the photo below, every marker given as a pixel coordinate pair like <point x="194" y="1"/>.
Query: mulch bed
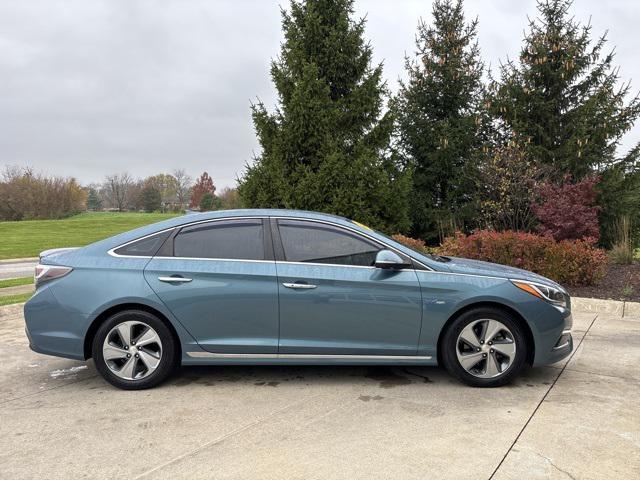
<point x="613" y="284"/>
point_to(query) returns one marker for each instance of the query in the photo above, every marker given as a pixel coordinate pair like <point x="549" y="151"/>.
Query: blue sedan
<point x="288" y="287"/>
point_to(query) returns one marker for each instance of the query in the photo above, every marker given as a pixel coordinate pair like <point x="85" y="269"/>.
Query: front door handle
<point x="300" y="286"/>
<point x="174" y="279"/>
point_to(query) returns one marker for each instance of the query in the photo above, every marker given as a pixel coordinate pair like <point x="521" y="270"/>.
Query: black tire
<point x="449" y="347"/>
<point x="168" y="357"/>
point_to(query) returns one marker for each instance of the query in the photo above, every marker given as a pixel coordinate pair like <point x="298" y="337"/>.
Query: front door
<point x="221" y="285"/>
<point x="333" y="301"/>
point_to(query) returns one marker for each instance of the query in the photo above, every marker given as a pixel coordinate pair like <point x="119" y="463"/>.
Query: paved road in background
<point x="17" y="268"/>
<point x="576" y="419"/>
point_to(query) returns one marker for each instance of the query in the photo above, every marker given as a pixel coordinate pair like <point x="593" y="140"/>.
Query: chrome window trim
<point x="253" y="217"/>
<point x="214" y="259"/>
<point x="303" y="356"/>
<point x="312" y="264"/>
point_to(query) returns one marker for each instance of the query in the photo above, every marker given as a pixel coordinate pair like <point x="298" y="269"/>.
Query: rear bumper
<point x="52" y="330"/>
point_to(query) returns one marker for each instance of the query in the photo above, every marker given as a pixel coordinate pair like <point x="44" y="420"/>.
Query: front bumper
<point x="562" y="348"/>
<point x="555" y="342"/>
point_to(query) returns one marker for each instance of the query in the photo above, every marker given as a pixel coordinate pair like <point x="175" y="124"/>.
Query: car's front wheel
<point x="134" y="350"/>
<point x="484" y="347"/>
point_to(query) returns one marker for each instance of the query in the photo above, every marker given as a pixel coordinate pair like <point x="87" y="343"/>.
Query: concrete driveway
<point x="577" y="419"/>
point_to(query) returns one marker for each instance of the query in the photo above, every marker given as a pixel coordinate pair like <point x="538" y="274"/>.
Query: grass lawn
<point x="16" y="282"/>
<point x="28" y="238"/>
<point x="11" y="299"/>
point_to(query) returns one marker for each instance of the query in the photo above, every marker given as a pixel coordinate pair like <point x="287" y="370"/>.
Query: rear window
<point x="145" y="247"/>
<point x="228" y="239"/>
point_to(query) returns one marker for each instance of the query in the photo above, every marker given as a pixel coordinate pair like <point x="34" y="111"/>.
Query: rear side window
<point x="320" y="243"/>
<point x="145" y="247"/>
<point x="228" y="239"/>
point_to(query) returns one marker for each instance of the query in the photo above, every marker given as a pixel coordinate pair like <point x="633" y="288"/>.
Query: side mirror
<point x="389" y="259"/>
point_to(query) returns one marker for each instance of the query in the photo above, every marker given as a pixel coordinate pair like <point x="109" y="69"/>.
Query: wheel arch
<point x="93" y="328"/>
<point x="531" y="346"/>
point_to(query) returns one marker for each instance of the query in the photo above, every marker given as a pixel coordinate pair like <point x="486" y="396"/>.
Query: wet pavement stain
<point x="424" y="378"/>
<point x="387" y="377"/>
<point x="366" y="398"/>
<point x="267" y="384"/>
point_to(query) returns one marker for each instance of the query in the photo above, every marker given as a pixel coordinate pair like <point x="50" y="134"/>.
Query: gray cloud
<point x="90" y="87"/>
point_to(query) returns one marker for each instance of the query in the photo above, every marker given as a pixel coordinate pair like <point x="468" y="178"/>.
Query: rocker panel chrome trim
<point x="302" y="356"/>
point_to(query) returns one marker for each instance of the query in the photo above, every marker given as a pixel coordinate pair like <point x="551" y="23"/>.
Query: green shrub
<point x="569" y="262"/>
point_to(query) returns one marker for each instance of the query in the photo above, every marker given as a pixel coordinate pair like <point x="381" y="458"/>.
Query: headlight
<point x="550" y="294"/>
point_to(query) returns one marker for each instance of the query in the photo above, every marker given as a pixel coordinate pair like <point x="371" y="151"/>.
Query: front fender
<point x="444" y="295"/>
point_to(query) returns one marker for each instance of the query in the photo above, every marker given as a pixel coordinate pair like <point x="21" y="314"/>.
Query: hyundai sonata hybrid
<point x="288" y="287"/>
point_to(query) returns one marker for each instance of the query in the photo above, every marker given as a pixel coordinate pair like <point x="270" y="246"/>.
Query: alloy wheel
<point x="486" y="348"/>
<point x="132" y="350"/>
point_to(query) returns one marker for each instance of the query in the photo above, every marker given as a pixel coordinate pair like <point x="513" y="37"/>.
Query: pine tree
<point x="150" y="198"/>
<point x="564" y="102"/>
<point x="562" y="98"/>
<point x="440" y="121"/>
<point x="326" y="147"/>
<point x="93" y="200"/>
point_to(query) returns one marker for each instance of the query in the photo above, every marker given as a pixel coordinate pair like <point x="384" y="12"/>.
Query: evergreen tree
<point x="93" y="200"/>
<point x="563" y="101"/>
<point x="150" y="198"/>
<point x="206" y="203"/>
<point x="562" y="98"/>
<point x="440" y="123"/>
<point x="326" y="147"/>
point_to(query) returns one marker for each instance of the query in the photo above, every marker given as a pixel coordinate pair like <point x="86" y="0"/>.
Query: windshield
<point x="432" y="256"/>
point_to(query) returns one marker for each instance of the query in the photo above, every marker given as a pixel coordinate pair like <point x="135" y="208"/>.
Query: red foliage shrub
<point x="414" y="243"/>
<point x="568" y="211"/>
<point x="569" y="262"/>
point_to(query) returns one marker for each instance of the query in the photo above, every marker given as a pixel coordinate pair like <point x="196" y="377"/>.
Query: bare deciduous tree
<point x="117" y="189"/>
<point x="183" y="186"/>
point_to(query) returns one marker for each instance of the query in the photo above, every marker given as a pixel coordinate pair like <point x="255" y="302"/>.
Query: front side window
<point x="226" y="239"/>
<point x="315" y="242"/>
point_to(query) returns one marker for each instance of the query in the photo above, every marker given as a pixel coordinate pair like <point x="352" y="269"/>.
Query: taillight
<point x="44" y="273"/>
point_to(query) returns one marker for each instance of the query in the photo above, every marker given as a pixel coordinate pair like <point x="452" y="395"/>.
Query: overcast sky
<point x="91" y="87"/>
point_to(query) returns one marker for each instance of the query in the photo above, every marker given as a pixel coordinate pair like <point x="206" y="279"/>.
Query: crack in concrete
<point x="224" y="437"/>
<point x="550" y="462"/>
<point x="544" y="397"/>
<point x="6" y="402"/>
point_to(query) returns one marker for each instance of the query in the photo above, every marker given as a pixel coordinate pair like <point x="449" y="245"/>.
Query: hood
<point x="478" y="267"/>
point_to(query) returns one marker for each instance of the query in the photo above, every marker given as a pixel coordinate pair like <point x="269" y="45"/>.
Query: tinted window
<point x="320" y="243"/>
<point x="232" y="239"/>
<point x="146" y="247"/>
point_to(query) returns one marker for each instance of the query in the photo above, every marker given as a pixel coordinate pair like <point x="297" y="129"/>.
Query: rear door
<point x="219" y="279"/>
<point x="333" y="301"/>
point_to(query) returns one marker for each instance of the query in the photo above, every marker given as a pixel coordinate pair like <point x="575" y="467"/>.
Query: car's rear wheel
<point x="484" y="347"/>
<point x="133" y="350"/>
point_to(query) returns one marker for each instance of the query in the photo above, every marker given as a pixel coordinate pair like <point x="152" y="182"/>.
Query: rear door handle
<point x="174" y="279"/>
<point x="299" y="286"/>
